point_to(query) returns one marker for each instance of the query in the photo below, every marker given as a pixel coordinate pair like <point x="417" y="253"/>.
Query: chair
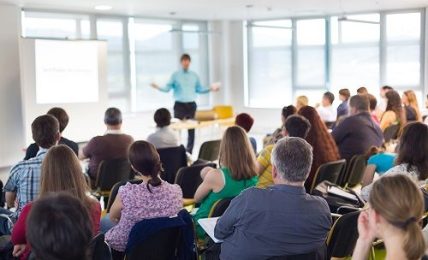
<point x="115" y="189"/>
<point x="343" y="236"/>
<point x="319" y="254"/>
<point x="219" y="207"/>
<point x="209" y="151"/>
<point x="328" y="172"/>
<point x="356" y="172"/>
<point x="99" y="248"/>
<point x="172" y="158"/>
<point x="391" y="132"/>
<point x="111" y="172"/>
<point x="189" y="178"/>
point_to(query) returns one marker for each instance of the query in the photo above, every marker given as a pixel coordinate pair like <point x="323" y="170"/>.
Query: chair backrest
<point x="328" y="172"/>
<point x="99" y="248"/>
<point x="189" y="178"/>
<point x="319" y="254"/>
<point x="219" y="207"/>
<point x="343" y="236"/>
<point x="356" y="172"/>
<point x="111" y="172"/>
<point x="391" y="132"/>
<point x="163" y="245"/>
<point x="115" y="189"/>
<point x="209" y="150"/>
<point x="172" y="158"/>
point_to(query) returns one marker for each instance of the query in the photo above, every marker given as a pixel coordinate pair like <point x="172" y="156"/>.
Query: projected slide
<point x="66" y="72"/>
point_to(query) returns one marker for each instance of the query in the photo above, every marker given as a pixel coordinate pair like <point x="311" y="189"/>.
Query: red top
<point x="19" y="229"/>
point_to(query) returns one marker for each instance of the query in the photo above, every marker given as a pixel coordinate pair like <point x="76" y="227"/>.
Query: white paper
<point x="208" y="225"/>
<point x="336" y="191"/>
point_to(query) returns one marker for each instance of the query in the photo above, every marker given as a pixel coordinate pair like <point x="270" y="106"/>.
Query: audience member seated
<point x="237" y="172"/>
<point x="153" y="198"/>
<point x="394" y="114"/>
<point x="380" y="161"/>
<point x="412" y="158"/>
<point x="411" y="106"/>
<point x="294" y="126"/>
<point x="301" y="101"/>
<point x="372" y="108"/>
<point x="113" y="145"/>
<point x="62" y="118"/>
<point x="362" y="91"/>
<point x="343" y="108"/>
<point x="61" y="172"/>
<point x="394" y="220"/>
<point x="326" y="111"/>
<point x="280" y="220"/>
<point x="245" y="121"/>
<point x="23" y="184"/>
<point x="358" y="132"/>
<point x="164" y="136"/>
<point x="382" y="102"/>
<point x="58" y="228"/>
<point x="285" y="113"/>
<point x="324" y="147"/>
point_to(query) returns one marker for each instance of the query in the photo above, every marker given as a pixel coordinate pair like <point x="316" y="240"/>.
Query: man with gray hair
<point x="281" y="220"/>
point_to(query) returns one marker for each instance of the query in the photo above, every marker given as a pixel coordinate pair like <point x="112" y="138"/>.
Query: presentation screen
<point x="66" y="72"/>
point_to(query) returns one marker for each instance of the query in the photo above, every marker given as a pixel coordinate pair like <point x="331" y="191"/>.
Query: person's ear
<point x="58" y="137"/>
<point x="274" y="172"/>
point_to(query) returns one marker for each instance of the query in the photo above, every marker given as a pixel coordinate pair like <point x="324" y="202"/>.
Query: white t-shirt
<point x="327" y="114"/>
<point x="163" y="138"/>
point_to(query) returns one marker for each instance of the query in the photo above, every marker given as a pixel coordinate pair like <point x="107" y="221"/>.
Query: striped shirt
<point x="24" y="180"/>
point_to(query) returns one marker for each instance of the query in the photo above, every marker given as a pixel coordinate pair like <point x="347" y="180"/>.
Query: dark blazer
<point x="33" y="149"/>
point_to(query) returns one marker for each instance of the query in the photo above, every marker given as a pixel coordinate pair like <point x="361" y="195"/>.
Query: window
<point x="269" y="63"/>
<point x="355" y="52"/>
<point x="403" y="41"/>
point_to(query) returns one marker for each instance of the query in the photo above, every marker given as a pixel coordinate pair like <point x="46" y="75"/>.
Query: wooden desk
<point x="193" y="124"/>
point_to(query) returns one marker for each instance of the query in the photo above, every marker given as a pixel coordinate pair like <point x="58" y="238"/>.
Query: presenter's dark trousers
<point x="186" y="111"/>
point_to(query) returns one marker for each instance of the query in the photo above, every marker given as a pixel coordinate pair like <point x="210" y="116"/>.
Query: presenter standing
<point x="186" y="85"/>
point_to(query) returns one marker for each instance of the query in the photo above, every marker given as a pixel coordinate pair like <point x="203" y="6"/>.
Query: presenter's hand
<point x="215" y="87"/>
<point x="154" y="85"/>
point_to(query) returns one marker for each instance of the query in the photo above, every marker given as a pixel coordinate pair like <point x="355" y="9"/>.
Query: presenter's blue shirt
<point x="185" y="85"/>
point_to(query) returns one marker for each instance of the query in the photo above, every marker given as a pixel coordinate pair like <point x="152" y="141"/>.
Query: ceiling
<point x="222" y="9"/>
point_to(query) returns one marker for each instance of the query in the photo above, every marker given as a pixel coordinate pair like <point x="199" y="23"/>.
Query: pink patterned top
<point x="139" y="203"/>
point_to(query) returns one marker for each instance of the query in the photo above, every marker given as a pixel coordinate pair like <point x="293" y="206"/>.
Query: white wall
<point x="11" y="123"/>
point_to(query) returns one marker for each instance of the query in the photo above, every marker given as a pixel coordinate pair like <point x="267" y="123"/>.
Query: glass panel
<point x="403" y="27"/>
<point x="355" y="32"/>
<point x="191" y="38"/>
<point x="112" y="31"/>
<point x="50" y="27"/>
<point x="152" y="37"/>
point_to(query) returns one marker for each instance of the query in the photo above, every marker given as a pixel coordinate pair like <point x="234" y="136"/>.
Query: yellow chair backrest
<point x="223" y="111"/>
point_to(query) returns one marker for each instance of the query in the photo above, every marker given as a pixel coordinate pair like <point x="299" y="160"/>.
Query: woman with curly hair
<point x="324" y="147"/>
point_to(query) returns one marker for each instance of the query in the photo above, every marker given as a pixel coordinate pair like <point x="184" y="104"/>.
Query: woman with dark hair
<point x="275" y="136"/>
<point x="412" y="157"/>
<point x="153" y="198"/>
<point x="394" y="113"/>
<point x="323" y="144"/>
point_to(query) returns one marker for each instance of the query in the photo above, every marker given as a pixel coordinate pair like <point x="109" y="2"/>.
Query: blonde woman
<point x="411" y="106"/>
<point x="395" y="208"/>
<point x="237" y="172"/>
<point x="301" y="101"/>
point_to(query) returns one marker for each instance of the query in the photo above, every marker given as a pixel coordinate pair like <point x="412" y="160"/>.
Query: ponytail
<point x="154" y="181"/>
<point x="414" y="242"/>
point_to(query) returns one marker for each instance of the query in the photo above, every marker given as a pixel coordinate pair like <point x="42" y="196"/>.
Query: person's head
<point x="62" y="172"/>
<point x="327" y="99"/>
<point x="145" y="160"/>
<point x="162" y="117"/>
<point x="61" y="116"/>
<point x="301" y="101"/>
<point x="59" y="228"/>
<point x="237" y="154"/>
<point x="291" y="160"/>
<point x="344" y="94"/>
<point x="372" y="102"/>
<point x="185" y="61"/>
<point x="296" y="126"/>
<point x="45" y="130"/>
<point x="245" y="121"/>
<point x="384" y="90"/>
<point x="287" y="111"/>
<point x="362" y="91"/>
<point x="412" y="148"/>
<point x="113" y="118"/>
<point x="394" y="104"/>
<point x="399" y="214"/>
<point x="358" y="104"/>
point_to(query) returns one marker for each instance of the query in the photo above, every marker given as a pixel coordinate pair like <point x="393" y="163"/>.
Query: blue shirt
<point x="277" y="221"/>
<point x="24" y="180"/>
<point x="382" y="161"/>
<point x="343" y="109"/>
<point x="186" y="85"/>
